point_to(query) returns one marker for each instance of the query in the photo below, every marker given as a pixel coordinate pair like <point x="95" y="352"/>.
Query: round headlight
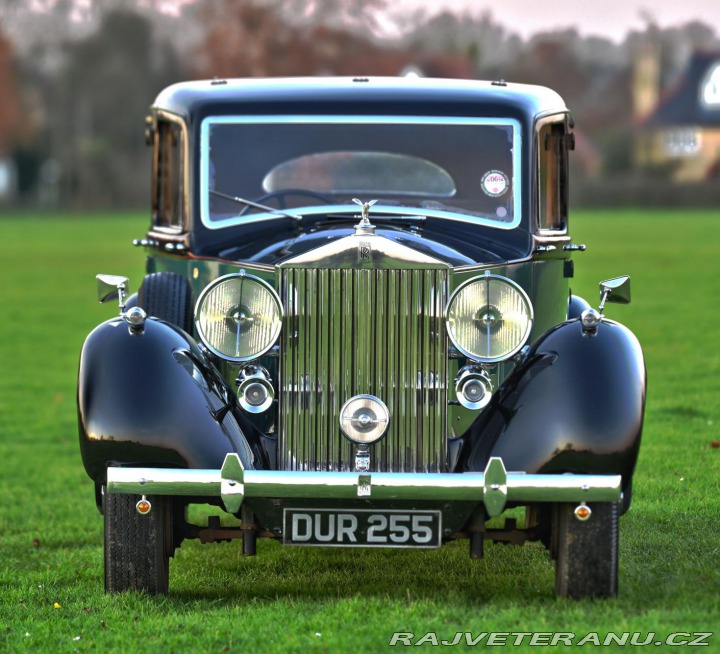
<point x="489" y="318"/>
<point x="238" y="317"/>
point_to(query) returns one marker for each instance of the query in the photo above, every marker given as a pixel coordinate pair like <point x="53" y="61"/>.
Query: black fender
<point x="575" y="404"/>
<point x="150" y="398"/>
<point x="576" y="305"/>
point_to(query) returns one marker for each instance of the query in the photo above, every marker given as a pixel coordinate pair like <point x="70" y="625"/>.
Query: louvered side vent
<point x="348" y="332"/>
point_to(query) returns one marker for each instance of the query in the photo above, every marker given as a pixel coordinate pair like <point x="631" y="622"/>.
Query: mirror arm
<point x="603" y="299"/>
<point x="121" y="298"/>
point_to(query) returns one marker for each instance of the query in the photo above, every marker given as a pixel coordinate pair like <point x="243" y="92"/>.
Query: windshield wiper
<point x="255" y="205"/>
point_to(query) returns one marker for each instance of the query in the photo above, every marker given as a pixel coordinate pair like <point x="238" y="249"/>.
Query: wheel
<point x="137" y="547"/>
<point x="587" y="552"/>
<point x="168" y="296"/>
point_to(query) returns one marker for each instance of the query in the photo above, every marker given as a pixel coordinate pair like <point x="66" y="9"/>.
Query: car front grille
<point x="349" y="332"/>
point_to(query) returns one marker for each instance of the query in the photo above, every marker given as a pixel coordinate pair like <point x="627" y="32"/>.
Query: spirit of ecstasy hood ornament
<point x="364" y="226"/>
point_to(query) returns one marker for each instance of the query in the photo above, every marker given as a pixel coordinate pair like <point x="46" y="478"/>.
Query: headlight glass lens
<point x="239" y="317"/>
<point x="489" y="318"/>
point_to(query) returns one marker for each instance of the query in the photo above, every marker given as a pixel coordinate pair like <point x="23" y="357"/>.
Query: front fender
<point x="576" y="404"/>
<point x="150" y="398"/>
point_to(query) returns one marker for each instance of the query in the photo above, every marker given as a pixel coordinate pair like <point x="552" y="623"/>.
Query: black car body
<point x="357" y="329"/>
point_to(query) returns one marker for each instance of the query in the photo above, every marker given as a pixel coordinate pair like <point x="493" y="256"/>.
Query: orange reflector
<point x="143" y="506"/>
<point x="583" y="512"/>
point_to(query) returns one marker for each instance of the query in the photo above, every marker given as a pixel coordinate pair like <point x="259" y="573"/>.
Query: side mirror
<point x="112" y="287"/>
<point x="615" y="290"/>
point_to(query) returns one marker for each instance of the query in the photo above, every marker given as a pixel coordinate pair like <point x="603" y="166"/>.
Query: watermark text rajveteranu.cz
<point x="547" y="638"/>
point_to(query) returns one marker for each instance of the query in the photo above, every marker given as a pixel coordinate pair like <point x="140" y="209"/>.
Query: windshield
<point x="461" y="168"/>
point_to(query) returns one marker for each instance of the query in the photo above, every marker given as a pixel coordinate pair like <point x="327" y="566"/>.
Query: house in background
<point x="679" y="129"/>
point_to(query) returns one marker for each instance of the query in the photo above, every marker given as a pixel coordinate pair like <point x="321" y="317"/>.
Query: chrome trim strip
<point x="164" y="481"/>
<point x="487" y="486"/>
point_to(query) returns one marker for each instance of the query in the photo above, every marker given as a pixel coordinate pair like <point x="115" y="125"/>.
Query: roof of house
<point x="694" y="99"/>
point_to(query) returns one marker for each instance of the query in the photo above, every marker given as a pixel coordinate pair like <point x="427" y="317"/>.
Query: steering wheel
<point x="283" y="193"/>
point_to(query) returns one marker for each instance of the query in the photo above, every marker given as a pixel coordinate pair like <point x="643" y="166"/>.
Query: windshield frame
<point x="236" y="221"/>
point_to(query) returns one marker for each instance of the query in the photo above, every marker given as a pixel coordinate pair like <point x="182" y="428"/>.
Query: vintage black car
<point x="357" y="330"/>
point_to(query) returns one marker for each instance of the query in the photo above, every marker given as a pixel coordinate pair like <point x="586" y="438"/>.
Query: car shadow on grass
<point x="661" y="564"/>
<point x="334" y="573"/>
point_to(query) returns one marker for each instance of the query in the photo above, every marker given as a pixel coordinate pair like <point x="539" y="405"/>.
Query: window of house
<point x="684" y="142"/>
<point x="553" y="175"/>
<point x="168" y="204"/>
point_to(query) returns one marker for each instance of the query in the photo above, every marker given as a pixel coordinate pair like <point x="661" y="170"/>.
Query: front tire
<point x="587" y="552"/>
<point x="137" y="547"/>
<point x="168" y="296"/>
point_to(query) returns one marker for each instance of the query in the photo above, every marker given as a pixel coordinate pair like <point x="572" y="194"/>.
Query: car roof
<point x="358" y="95"/>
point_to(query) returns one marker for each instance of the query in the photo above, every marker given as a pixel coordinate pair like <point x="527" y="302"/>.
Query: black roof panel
<point x="401" y="95"/>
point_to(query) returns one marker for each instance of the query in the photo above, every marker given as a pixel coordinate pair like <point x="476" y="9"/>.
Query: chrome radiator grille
<point x="352" y="331"/>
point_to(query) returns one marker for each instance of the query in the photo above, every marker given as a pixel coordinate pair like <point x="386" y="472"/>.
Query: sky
<point x="610" y="18"/>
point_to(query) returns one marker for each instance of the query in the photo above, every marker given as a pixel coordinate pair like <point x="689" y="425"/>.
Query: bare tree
<point x="100" y="99"/>
<point x="10" y="114"/>
<point x="252" y="39"/>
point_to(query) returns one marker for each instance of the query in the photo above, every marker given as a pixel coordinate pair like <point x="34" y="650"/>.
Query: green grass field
<point x="310" y="600"/>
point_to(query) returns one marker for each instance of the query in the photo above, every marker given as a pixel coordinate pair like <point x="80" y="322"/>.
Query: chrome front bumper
<point x="494" y="487"/>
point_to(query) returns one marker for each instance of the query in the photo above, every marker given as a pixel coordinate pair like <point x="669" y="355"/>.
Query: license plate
<point x="362" y="528"/>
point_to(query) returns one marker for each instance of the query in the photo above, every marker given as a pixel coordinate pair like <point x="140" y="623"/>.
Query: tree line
<point x="76" y="79"/>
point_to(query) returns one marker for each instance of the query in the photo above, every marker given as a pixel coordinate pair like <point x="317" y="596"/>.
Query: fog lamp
<point x="255" y="389"/>
<point x="473" y="388"/>
<point x="364" y="419"/>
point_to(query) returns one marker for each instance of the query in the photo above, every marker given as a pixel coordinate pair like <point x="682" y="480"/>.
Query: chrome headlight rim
<point x="476" y="374"/>
<point x="380" y="413"/>
<point x="214" y="284"/>
<point x="488" y="276"/>
<point x="248" y="377"/>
